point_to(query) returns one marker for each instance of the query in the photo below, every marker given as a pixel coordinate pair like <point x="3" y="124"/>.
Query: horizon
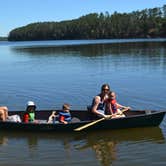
<point x="16" y="14"/>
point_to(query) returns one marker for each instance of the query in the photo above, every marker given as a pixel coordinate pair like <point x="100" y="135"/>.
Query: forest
<point x="147" y="23"/>
<point x="3" y="38"/>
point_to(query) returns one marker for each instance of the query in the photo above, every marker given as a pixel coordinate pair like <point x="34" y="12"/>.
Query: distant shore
<point x="3" y="38"/>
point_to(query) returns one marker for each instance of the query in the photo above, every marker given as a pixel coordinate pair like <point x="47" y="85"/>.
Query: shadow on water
<point x="141" y="54"/>
<point x="94" y="50"/>
<point x="104" y="144"/>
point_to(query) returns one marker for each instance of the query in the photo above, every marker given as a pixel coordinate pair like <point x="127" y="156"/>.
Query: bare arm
<point x="121" y="106"/>
<point x="94" y="108"/>
<point x="62" y="120"/>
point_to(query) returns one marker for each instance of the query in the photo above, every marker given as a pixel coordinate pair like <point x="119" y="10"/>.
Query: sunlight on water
<point x="54" y="72"/>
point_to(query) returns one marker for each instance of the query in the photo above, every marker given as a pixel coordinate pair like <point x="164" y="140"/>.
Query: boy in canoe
<point x="64" y="114"/>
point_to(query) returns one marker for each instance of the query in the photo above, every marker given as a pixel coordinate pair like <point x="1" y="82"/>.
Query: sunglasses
<point x="105" y="89"/>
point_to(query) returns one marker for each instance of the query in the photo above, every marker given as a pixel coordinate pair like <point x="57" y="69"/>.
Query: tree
<point x="137" y="24"/>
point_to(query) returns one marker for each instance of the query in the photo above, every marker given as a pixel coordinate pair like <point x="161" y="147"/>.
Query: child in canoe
<point x="29" y="115"/>
<point x="113" y="107"/>
<point x="64" y="114"/>
<point x="3" y="113"/>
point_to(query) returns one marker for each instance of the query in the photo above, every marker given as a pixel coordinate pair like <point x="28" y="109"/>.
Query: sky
<point x="17" y="13"/>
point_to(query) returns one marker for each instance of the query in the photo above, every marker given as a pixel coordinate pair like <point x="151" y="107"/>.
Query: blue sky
<point x="16" y="13"/>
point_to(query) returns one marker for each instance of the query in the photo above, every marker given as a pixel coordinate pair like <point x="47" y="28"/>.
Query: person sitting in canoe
<point x="52" y="118"/>
<point x="29" y="115"/>
<point x="3" y="113"/>
<point x="98" y="103"/>
<point x="113" y="107"/>
<point x="64" y="114"/>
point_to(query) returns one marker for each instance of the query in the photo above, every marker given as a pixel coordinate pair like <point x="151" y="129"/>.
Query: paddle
<point x="97" y="121"/>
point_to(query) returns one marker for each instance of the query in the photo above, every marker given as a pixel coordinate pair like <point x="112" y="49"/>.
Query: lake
<point x="53" y="72"/>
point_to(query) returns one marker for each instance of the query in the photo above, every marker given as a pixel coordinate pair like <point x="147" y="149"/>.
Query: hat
<point x="31" y="103"/>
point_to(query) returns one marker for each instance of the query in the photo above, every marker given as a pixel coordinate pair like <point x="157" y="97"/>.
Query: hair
<point x="105" y="85"/>
<point x="66" y="106"/>
<point x="30" y="108"/>
<point x="110" y="94"/>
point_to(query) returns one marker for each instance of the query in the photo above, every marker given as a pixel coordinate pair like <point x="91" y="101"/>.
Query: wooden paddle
<point x="96" y="121"/>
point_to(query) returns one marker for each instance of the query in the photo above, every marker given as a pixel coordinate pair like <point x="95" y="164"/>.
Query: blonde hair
<point x="66" y="106"/>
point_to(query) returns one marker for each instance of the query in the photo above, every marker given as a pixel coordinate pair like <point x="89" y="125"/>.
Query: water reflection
<point x="105" y="152"/>
<point x="142" y="54"/>
<point x="3" y="140"/>
<point x="93" y="50"/>
<point x="50" y="74"/>
<point x="104" y="144"/>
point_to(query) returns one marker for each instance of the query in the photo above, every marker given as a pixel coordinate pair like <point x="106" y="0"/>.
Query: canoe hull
<point x="136" y="119"/>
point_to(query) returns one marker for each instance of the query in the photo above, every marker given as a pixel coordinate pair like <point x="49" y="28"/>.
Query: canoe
<point x="133" y="119"/>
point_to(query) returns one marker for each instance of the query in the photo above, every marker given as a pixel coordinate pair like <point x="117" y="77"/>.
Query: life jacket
<point x="66" y="115"/>
<point x="29" y="117"/>
<point x="113" y="105"/>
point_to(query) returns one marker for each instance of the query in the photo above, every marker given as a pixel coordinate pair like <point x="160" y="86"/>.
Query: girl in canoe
<point x="113" y="107"/>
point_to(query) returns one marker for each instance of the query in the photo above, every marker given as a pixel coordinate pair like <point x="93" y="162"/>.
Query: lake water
<point x="53" y="72"/>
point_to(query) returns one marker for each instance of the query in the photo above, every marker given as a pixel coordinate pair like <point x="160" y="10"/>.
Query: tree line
<point x="147" y="23"/>
<point x="3" y="38"/>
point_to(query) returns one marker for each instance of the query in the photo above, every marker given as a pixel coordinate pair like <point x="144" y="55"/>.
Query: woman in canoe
<point x="98" y="104"/>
